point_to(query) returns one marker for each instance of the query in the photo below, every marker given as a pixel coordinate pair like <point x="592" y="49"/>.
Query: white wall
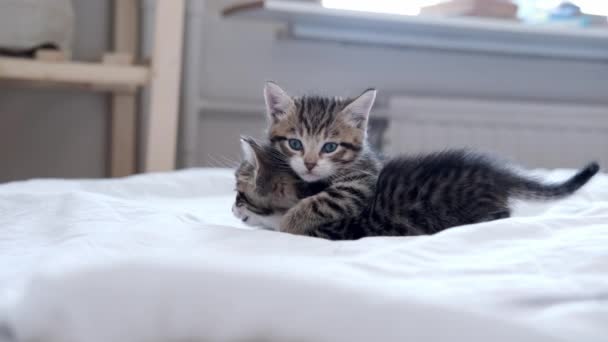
<point x="58" y="133"/>
<point x="238" y="56"/>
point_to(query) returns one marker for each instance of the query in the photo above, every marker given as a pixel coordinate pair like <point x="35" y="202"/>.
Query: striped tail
<point x="531" y="189"/>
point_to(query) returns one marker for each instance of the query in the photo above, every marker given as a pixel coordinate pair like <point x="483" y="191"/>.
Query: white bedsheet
<point x="157" y="258"/>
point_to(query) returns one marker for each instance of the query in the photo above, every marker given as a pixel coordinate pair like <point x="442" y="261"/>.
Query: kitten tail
<point x="532" y="189"/>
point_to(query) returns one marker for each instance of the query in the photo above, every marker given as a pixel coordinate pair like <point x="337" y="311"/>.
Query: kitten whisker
<point x="218" y="162"/>
<point x="230" y="162"/>
<point x="212" y="161"/>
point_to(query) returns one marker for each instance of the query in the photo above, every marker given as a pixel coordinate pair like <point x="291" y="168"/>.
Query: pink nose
<point x="310" y="166"/>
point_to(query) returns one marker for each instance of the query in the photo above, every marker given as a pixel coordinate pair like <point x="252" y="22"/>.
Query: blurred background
<point x="526" y="79"/>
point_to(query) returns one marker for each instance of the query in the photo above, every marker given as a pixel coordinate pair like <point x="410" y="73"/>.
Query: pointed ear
<point x="249" y="154"/>
<point x="358" y="110"/>
<point x="277" y="100"/>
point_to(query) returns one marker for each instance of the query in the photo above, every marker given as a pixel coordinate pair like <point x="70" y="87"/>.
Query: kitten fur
<point x="266" y="186"/>
<point x="349" y="170"/>
<point x="426" y="194"/>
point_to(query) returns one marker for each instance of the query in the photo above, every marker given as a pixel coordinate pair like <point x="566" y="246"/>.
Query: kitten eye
<point x="329" y="147"/>
<point x="295" y="144"/>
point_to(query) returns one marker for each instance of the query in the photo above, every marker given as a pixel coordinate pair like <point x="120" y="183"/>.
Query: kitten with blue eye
<point x="322" y="143"/>
<point x="415" y="195"/>
<point x="266" y="185"/>
<point x="322" y="140"/>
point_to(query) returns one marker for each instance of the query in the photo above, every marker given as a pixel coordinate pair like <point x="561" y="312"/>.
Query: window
<point x="412" y="7"/>
<point x="598" y="7"/>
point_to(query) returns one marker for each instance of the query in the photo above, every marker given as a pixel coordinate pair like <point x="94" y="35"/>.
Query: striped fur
<point x="350" y="171"/>
<point x="351" y="198"/>
<point x="266" y="186"/>
<point x="430" y="193"/>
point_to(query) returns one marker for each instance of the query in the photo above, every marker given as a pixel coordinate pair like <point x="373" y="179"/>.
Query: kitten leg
<point x="333" y="204"/>
<point x="300" y="219"/>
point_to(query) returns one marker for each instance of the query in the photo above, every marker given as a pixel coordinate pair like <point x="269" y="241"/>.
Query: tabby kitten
<point x="323" y="140"/>
<point x="422" y="195"/>
<point x="266" y="186"/>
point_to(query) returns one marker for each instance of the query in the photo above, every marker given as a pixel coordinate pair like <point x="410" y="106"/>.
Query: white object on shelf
<point x="28" y="23"/>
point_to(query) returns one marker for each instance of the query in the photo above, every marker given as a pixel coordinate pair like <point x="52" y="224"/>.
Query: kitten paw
<point x="251" y="219"/>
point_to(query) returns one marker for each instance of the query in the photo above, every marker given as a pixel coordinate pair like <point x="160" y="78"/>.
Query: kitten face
<point x="266" y="188"/>
<point x="320" y="136"/>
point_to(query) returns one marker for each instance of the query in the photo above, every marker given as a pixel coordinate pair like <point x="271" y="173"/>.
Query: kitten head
<point x="318" y="135"/>
<point x="264" y="182"/>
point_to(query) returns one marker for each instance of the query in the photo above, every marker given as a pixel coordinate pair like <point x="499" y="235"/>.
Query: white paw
<point x="271" y="222"/>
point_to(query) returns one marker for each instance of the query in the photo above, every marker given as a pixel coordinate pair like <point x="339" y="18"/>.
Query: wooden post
<point x="161" y="133"/>
<point x="123" y="121"/>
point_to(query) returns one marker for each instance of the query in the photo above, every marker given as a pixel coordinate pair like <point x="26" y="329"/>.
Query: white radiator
<point x="533" y="134"/>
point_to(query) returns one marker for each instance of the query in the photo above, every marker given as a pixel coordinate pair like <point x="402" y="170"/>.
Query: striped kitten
<point x="267" y="187"/>
<point x="323" y="140"/>
<point x="414" y="195"/>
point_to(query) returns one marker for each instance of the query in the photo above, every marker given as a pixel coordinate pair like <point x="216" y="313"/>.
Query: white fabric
<point x="157" y="258"/>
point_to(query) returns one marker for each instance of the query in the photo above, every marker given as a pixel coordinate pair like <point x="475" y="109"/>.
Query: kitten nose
<point x="310" y="165"/>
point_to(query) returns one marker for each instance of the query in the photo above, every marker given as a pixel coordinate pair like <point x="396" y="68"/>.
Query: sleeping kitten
<point x="266" y="186"/>
<point x="323" y="140"/>
<point x="415" y="195"/>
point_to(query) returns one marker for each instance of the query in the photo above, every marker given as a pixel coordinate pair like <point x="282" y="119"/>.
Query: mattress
<point x="159" y="257"/>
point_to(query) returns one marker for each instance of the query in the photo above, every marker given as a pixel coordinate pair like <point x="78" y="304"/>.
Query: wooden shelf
<point x="312" y="21"/>
<point x="98" y="76"/>
<point x="117" y="74"/>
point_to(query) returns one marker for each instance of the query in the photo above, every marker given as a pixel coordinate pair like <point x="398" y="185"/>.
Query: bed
<point x="159" y="257"/>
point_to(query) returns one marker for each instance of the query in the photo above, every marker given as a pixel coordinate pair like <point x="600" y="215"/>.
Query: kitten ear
<point x="249" y="152"/>
<point x="277" y="100"/>
<point x="358" y="110"/>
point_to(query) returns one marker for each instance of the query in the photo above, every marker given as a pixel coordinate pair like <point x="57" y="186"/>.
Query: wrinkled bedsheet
<point x="159" y="257"/>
